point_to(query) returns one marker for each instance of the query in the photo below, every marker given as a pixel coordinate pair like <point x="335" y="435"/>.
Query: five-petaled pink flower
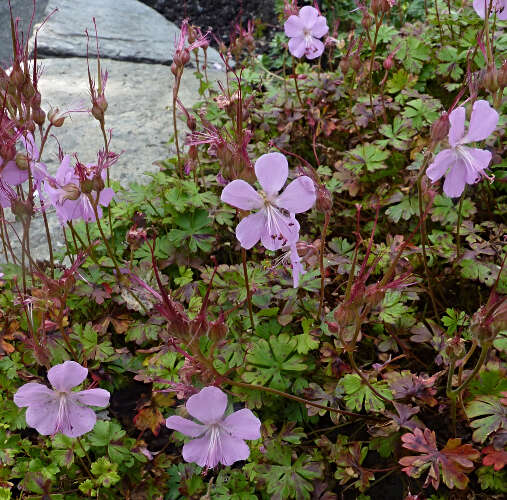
<point x="274" y="228"/>
<point x="220" y="439"/>
<point x="304" y="31"/>
<point x="59" y="409"/>
<point x="498" y="6"/>
<point x="460" y="164"/>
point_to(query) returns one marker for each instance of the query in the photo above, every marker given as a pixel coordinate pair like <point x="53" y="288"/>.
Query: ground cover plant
<point x="308" y="299"/>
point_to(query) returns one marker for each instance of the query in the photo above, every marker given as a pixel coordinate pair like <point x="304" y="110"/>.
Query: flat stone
<point x="139" y="114"/>
<point x="127" y="30"/>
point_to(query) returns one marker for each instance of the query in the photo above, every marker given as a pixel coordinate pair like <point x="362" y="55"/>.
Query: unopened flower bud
<point x="17" y="77"/>
<point x="72" y="191"/>
<point x="440" y="128"/>
<point x="367" y="20"/>
<point x="36" y="100"/>
<point x="355" y="62"/>
<point x="181" y="57"/>
<point x="99" y="107"/>
<point x="376" y="6"/>
<point x="174" y="69"/>
<point x="55" y="119"/>
<point x="22" y="161"/>
<point x="87" y="186"/>
<point x="39" y="116"/>
<point x="324" y="201"/>
<point x="502" y="75"/>
<point x="386" y="5"/>
<point x="98" y="183"/>
<point x="455" y="347"/>
<point x="487" y="322"/>
<point x="28" y="90"/>
<point x="345" y="65"/>
<point x="388" y="62"/>
<point x="491" y="79"/>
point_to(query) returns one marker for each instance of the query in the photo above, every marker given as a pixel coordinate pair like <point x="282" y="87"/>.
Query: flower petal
<point x="105" y="197"/>
<point x="67" y="375"/>
<point x="500" y="6"/>
<point x="232" y="449"/>
<point x="308" y="16"/>
<point x="243" y="424"/>
<point x="457" y="125"/>
<point x="65" y="171"/>
<point x="441" y="163"/>
<point x="455" y="179"/>
<point x="200" y="452"/>
<point x="272" y="170"/>
<point x="314" y="49"/>
<point x="298" y="196"/>
<point x="33" y="394"/>
<point x="483" y="122"/>
<point x="293" y="26"/>
<point x="240" y="194"/>
<point x="12" y="175"/>
<point x="93" y="397"/>
<point x="43" y="419"/>
<point x="478" y="160"/>
<point x="279" y="230"/>
<point x="250" y="229"/>
<point x="297" y="267"/>
<point x="185" y="426"/>
<point x="320" y="27"/>
<point x="297" y="46"/>
<point x="208" y="405"/>
<point x="78" y="420"/>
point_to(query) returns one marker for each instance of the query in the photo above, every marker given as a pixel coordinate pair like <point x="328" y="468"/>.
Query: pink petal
<point x="483" y="122"/>
<point x="208" y="405"/>
<point x="12" y="175"/>
<point x="105" y="197"/>
<point x="320" y="27"/>
<point x="93" y="397"/>
<point x="250" y="229"/>
<point x="441" y="163"/>
<point x="314" y="49"/>
<point x="241" y="195"/>
<point x="43" y="419"/>
<point x="297" y="267"/>
<point x="65" y="171"/>
<point x="480" y="7"/>
<point x="500" y="6"/>
<point x="67" y="375"/>
<point x="201" y="452"/>
<point x="279" y="230"/>
<point x="243" y="424"/>
<point x="185" y="426"/>
<point x="455" y="180"/>
<point x="298" y="196"/>
<point x="33" y="394"/>
<point x="232" y="449"/>
<point x="272" y="170"/>
<point x="308" y="16"/>
<point x="478" y="160"/>
<point x="78" y="420"/>
<point x="30" y="146"/>
<point x="457" y="122"/>
<point x="293" y="26"/>
<point x="297" y="46"/>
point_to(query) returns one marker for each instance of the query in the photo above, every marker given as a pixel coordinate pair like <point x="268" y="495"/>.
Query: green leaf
<point x="401" y="80"/>
<point x="407" y="208"/>
<point x="367" y="155"/>
<point x="104" y="432"/>
<point x="358" y="394"/>
<point x="413" y="53"/>
<point x="493" y="416"/>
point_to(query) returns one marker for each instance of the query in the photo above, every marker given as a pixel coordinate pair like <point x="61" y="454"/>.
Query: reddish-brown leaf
<point x="494" y="457"/>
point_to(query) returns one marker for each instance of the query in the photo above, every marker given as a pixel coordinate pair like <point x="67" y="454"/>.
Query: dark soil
<point x="218" y="15"/>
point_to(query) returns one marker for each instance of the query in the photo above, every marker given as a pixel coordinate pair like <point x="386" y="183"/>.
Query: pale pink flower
<point x="59" y="409"/>
<point x="460" y="164"/>
<point x="220" y="439"/>
<point x="498" y="6"/>
<point x="304" y="31"/>
<point x="274" y="228"/>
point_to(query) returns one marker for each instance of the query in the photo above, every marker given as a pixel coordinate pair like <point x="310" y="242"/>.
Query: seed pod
<point x="345" y="65"/>
<point x="39" y="116"/>
<point x="22" y="161"/>
<point x="491" y="79"/>
<point x="324" y="201"/>
<point x="55" y="119"/>
<point x="98" y="183"/>
<point x="367" y="20"/>
<point x="388" y="62"/>
<point x="17" y="77"/>
<point x="355" y="62"/>
<point x="87" y="186"/>
<point x="440" y="128"/>
<point x="72" y="191"/>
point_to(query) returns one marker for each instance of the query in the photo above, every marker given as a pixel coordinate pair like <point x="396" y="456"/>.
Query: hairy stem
<point x="247" y="286"/>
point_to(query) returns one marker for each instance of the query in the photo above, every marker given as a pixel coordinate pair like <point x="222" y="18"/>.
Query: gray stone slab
<point x="127" y="29"/>
<point x="139" y="114"/>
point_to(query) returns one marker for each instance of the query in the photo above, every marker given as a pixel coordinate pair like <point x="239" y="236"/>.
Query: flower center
<point x="62" y="414"/>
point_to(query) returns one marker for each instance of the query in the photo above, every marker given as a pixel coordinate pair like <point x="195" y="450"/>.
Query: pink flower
<point x="498" y="6"/>
<point x="66" y="196"/>
<point x="274" y="228"/>
<point x="460" y="164"/>
<point x="61" y="410"/>
<point x="220" y="440"/>
<point x="304" y="32"/>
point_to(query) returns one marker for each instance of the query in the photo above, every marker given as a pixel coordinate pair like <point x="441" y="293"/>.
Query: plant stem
<point x="322" y="270"/>
<point x="458" y="226"/>
<point x="247" y="286"/>
<point x="296" y="83"/>
<point x="175" y="122"/>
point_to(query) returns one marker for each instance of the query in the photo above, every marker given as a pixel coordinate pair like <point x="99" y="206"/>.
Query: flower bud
<point x="440" y="128"/>
<point x="388" y="62"/>
<point x="22" y="161"/>
<point x="181" y="57"/>
<point x="324" y="201"/>
<point x="355" y="62"/>
<point x="174" y="69"/>
<point x="367" y="20"/>
<point x="22" y="208"/>
<point x="36" y="100"/>
<point x="98" y="183"/>
<point x="55" y="119"/>
<point x="99" y="107"/>
<point x="491" y="79"/>
<point x="17" y="77"/>
<point x="487" y="322"/>
<point x="385" y="5"/>
<point x="39" y="116"/>
<point x="136" y="237"/>
<point x="376" y="6"/>
<point x="72" y="191"/>
<point x="28" y="90"/>
<point x="87" y="186"/>
<point x="455" y="347"/>
<point x="502" y="75"/>
<point x="345" y="65"/>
